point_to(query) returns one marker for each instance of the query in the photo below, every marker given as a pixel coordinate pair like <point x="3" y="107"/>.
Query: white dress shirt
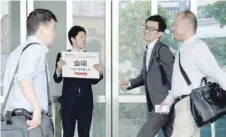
<point x="149" y="49"/>
<point x="31" y="68"/>
<point x="198" y="62"/>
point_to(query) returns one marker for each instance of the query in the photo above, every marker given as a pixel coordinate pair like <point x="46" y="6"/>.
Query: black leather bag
<point x="208" y="102"/>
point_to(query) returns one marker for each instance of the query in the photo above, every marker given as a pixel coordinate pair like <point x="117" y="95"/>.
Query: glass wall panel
<point x="91" y="15"/>
<point x="212" y="30"/>
<point x="168" y="10"/>
<point x="131" y="46"/>
<point x="131" y="118"/>
<point x="10" y="31"/>
<point x="59" y="9"/>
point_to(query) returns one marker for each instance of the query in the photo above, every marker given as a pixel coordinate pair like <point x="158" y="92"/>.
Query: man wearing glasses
<point x="155" y="77"/>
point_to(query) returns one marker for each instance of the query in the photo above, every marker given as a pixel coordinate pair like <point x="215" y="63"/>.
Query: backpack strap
<point x="164" y="78"/>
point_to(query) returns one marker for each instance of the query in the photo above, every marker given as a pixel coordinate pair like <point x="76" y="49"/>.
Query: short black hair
<point x="37" y="17"/>
<point x="73" y="32"/>
<point x="160" y="20"/>
<point x="189" y="15"/>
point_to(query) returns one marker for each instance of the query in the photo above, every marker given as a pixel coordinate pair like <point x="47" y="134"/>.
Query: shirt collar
<point x="151" y="45"/>
<point x="191" y="39"/>
<point x="34" y="39"/>
<point x="75" y="50"/>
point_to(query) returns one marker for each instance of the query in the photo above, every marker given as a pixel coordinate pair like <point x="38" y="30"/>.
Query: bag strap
<point x="188" y="81"/>
<point x="162" y="71"/>
<point x="11" y="84"/>
<point x="48" y="92"/>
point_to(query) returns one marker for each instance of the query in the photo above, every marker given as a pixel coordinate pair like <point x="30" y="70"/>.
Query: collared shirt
<point x="149" y="49"/>
<point x="75" y="50"/>
<point x="32" y="69"/>
<point x="198" y="62"/>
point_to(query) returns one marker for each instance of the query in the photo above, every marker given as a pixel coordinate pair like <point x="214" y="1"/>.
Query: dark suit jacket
<point x="155" y="91"/>
<point x="71" y="86"/>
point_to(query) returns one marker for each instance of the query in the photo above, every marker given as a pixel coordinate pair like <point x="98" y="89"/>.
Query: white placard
<point x="80" y="64"/>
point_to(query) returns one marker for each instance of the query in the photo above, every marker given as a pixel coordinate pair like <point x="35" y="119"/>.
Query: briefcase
<point x="207" y="102"/>
<point x="19" y="128"/>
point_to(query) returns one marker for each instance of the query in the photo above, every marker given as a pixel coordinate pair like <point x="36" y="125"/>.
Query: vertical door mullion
<point x="69" y="20"/>
<point x="108" y="70"/>
<point x="69" y="23"/>
<point x="115" y="64"/>
<point x="154" y="7"/>
<point x="193" y="6"/>
<point x="30" y="6"/>
<point x="23" y="18"/>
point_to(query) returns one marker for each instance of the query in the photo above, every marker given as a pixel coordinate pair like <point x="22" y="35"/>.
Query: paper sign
<point x="80" y="64"/>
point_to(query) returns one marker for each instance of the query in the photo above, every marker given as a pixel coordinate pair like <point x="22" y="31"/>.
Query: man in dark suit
<point x="77" y="95"/>
<point x="155" y="77"/>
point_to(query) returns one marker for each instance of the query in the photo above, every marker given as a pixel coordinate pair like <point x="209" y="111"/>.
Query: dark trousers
<point x="155" y="122"/>
<point x="72" y="112"/>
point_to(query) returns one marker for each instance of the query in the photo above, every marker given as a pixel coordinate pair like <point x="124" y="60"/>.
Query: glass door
<point x="12" y="31"/>
<point x="129" y="107"/>
<point x="114" y="29"/>
<point x="95" y="18"/>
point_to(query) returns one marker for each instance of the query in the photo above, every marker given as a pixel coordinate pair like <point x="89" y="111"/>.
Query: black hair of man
<point x="38" y="17"/>
<point x="160" y="20"/>
<point x="73" y="32"/>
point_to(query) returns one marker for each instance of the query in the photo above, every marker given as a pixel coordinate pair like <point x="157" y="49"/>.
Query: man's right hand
<point x="124" y="85"/>
<point x="162" y="105"/>
<point x="36" y="120"/>
<point x="60" y="64"/>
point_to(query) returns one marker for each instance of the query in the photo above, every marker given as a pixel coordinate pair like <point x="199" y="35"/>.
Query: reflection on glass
<point x="4" y="37"/>
<point x="98" y="123"/>
<point x="212" y="30"/>
<point x="89" y="9"/>
<point x="169" y="9"/>
<point x="4" y="33"/>
<point x="131" y="119"/>
<point x="130" y="35"/>
<point x="91" y="15"/>
<point x="131" y="43"/>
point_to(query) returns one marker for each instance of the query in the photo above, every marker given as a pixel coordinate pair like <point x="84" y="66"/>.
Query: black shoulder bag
<point x="208" y="102"/>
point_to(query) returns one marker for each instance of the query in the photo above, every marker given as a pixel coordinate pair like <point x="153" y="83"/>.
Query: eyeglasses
<point x="145" y="27"/>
